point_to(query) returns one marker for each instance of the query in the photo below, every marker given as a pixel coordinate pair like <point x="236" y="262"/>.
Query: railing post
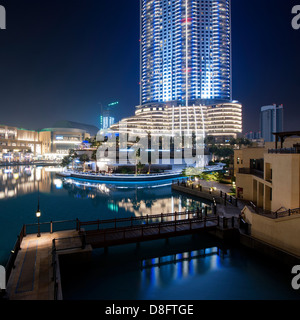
<point x="24" y="230"/>
<point x="51" y="227"/>
<point x="83" y="241"/>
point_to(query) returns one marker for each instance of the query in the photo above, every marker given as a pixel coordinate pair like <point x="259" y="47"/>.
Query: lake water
<point x="198" y="267"/>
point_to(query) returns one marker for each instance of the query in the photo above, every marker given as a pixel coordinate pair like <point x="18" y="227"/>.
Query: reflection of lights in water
<point x="58" y="183"/>
<point x="53" y="169"/>
<point x="113" y="207"/>
<point x="178" y="266"/>
<point x="38" y="173"/>
<point x="101" y="187"/>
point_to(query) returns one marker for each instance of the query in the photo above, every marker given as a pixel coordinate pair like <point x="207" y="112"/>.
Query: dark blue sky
<point x="59" y="59"/>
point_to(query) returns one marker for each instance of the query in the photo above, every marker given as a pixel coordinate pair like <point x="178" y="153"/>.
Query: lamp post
<point x="38" y="212"/>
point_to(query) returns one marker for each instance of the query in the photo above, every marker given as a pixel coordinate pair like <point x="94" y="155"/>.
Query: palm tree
<point x="65" y="161"/>
<point x="84" y="158"/>
<point x="72" y="155"/>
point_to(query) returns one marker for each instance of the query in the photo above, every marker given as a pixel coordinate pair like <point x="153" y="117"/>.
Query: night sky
<point x="60" y="59"/>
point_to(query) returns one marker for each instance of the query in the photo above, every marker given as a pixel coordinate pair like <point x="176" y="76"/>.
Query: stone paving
<point x="31" y="279"/>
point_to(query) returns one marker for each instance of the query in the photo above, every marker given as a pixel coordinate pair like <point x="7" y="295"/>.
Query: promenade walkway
<point x="32" y="277"/>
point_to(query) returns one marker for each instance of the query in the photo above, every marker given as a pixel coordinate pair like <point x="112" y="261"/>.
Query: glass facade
<point x="185" y="50"/>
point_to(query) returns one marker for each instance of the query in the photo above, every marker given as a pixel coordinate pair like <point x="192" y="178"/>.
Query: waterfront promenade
<point x="32" y="277"/>
<point x="35" y="274"/>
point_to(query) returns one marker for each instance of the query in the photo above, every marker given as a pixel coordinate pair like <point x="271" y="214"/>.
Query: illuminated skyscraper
<point x="107" y="116"/>
<point x="185" y="51"/>
<point x="185" y="70"/>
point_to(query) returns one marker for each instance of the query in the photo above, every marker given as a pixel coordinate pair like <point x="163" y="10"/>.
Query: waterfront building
<point x="21" y="145"/>
<point x="18" y="144"/>
<point x="64" y="136"/>
<point x="185" y="51"/>
<point x="271" y="121"/>
<point x="219" y="120"/>
<point x="185" y="71"/>
<point x="268" y="179"/>
<point x="269" y="176"/>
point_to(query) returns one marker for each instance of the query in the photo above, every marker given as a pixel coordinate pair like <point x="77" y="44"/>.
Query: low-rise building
<point x="48" y="144"/>
<point x="269" y="177"/>
<point x="18" y="144"/>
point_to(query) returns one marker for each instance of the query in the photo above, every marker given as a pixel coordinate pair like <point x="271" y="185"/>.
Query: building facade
<point x="268" y="176"/>
<point x="186" y="82"/>
<point x="107" y="116"/>
<point x="271" y="121"/>
<point x="19" y="145"/>
<point x="185" y="51"/>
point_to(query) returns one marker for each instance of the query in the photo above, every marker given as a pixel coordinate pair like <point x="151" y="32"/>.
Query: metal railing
<point x="285" y="151"/>
<point x="28" y="229"/>
<point x="272" y="214"/>
<point x="215" y="193"/>
<point x="255" y="172"/>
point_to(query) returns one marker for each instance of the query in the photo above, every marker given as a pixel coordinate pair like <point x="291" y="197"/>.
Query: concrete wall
<point x="282" y="233"/>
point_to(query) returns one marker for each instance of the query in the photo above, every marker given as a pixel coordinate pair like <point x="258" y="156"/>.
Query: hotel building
<point x="185" y="70"/>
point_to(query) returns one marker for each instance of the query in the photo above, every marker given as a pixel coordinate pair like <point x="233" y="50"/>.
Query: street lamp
<point x="38" y="212"/>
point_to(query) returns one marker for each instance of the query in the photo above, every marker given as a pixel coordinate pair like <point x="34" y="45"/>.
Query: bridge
<point x="33" y="270"/>
<point x="106" y="233"/>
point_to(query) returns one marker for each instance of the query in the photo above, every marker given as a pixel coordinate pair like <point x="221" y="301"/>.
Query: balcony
<point x="255" y="172"/>
<point x="295" y="150"/>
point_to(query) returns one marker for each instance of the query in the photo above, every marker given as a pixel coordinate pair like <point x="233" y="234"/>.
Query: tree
<point x="84" y="158"/>
<point x="139" y="167"/>
<point x="65" y="161"/>
<point x="72" y="155"/>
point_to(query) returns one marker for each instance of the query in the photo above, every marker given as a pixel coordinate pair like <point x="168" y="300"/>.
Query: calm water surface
<point x="197" y="267"/>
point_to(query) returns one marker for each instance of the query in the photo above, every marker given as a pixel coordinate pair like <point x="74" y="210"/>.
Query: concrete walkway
<point x="31" y="279"/>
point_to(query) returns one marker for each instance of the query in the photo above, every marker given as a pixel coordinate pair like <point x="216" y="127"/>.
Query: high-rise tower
<point x="185" y="51"/>
<point x="185" y="71"/>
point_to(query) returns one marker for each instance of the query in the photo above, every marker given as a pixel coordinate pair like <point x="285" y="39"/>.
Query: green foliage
<point x="66" y="161"/>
